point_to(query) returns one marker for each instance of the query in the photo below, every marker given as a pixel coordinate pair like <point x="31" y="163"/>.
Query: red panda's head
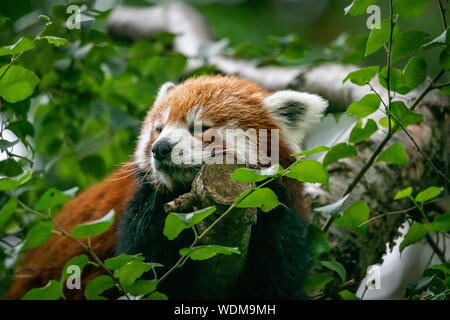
<point x="192" y="123"/>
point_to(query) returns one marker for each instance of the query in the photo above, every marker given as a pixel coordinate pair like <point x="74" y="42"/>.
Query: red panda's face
<point x="204" y="119"/>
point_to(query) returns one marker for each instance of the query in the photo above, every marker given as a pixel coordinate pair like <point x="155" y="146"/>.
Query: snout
<point x="161" y="150"/>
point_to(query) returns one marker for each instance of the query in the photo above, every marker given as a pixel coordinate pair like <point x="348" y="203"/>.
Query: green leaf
<point x="311" y="171"/>
<point x="121" y="260"/>
<point x="366" y="106"/>
<point x="10" y="168"/>
<point x="403" y="193"/>
<point x="38" y="235"/>
<point x="12" y="183"/>
<point x="347" y="295"/>
<point x="177" y="222"/>
<point x="7" y="211"/>
<point x="397" y="80"/>
<point x="5" y="144"/>
<point x="317" y="281"/>
<point x="360" y="134"/>
<point x="94" y="228"/>
<point x="444" y="59"/>
<point x="428" y="194"/>
<point x="339" y="151"/>
<point x="156" y="296"/>
<point x="22" y="45"/>
<point x="354" y="216"/>
<point x="440" y="224"/>
<point x="406" y="116"/>
<point x="51" y="198"/>
<point x="416" y="233"/>
<point x="395" y="154"/>
<point x="252" y="175"/>
<point x="317" y="240"/>
<point x="21" y="128"/>
<point x="131" y="271"/>
<point x="334" y="208"/>
<point x="336" y="267"/>
<point x="208" y="251"/>
<point x="293" y="47"/>
<point x="407" y="43"/>
<point x="440" y="270"/>
<point x="3" y="20"/>
<point x="363" y="76"/>
<point x="44" y="17"/>
<point x="415" y="72"/>
<point x="410" y="9"/>
<point x="17" y="83"/>
<point x="97" y="286"/>
<point x="439" y="41"/>
<point x="56" y="41"/>
<point x="379" y="37"/>
<point x="358" y="7"/>
<point x="93" y="165"/>
<point x="357" y="50"/>
<point x="141" y="287"/>
<point x="445" y="90"/>
<point x="419" y="286"/>
<point x="318" y="149"/>
<point x="437" y="286"/>
<point x="52" y="291"/>
<point x="263" y="198"/>
<point x="384" y="122"/>
<point x="80" y="261"/>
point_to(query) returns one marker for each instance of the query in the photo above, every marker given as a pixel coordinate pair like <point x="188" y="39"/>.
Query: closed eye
<point x="203" y="127"/>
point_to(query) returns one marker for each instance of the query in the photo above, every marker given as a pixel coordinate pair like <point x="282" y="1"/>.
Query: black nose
<point x="161" y="150"/>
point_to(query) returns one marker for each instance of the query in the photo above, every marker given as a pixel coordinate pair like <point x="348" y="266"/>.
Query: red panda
<point x="277" y="259"/>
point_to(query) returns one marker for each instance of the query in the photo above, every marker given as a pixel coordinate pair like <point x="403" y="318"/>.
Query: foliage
<point x="71" y="102"/>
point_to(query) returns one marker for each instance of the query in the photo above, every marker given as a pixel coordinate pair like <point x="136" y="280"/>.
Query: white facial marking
<point x="165" y="115"/>
<point x="142" y="159"/>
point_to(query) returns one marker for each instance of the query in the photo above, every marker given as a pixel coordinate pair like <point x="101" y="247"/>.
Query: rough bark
<point x="379" y="184"/>
<point x="213" y="186"/>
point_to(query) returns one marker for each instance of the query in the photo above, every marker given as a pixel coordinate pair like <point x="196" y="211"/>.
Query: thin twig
<point x="6" y="243"/>
<point x="435" y="248"/>
<point x="441" y="85"/>
<point x="442" y="9"/>
<point x="399" y="211"/>
<point x="388" y="66"/>
<point x="398" y="122"/>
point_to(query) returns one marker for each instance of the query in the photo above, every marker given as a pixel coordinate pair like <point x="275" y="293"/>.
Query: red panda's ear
<point x="165" y="88"/>
<point x="296" y="113"/>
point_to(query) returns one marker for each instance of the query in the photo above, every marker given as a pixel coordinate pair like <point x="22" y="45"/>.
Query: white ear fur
<point x="296" y="113"/>
<point x="166" y="87"/>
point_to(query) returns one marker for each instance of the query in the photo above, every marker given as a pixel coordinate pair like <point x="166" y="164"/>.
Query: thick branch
<point x="213" y="186"/>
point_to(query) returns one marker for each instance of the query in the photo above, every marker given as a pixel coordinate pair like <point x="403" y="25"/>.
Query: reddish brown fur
<point x="44" y="263"/>
<point x="223" y="100"/>
<point x="219" y="97"/>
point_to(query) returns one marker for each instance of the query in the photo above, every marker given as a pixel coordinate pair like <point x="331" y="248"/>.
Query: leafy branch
<point x="87" y="247"/>
<point x="277" y="175"/>
<point x="430" y="87"/>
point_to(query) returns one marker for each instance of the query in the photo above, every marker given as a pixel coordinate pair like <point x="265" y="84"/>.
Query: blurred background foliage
<point x="82" y="121"/>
